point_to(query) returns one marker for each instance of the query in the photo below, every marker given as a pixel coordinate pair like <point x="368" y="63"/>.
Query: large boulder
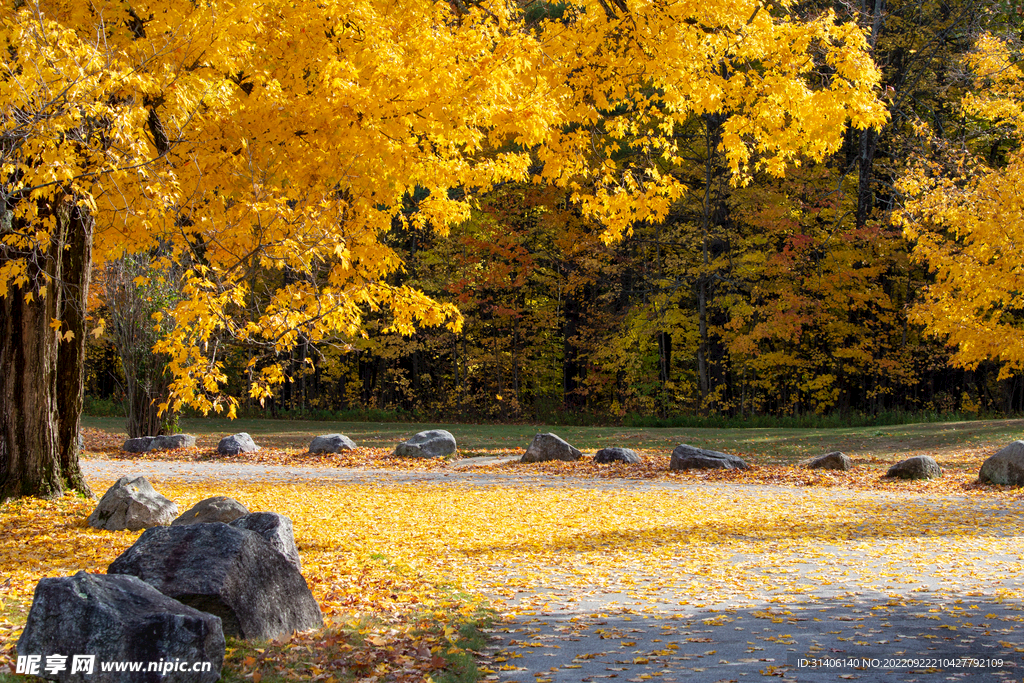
<point x="435" y="443"/>
<point x="545" y="447"/>
<point x="139" y="444"/>
<point x="609" y="455"/>
<point x="237" y="443"/>
<point x="331" y="443"/>
<point x="216" y="509"/>
<point x="172" y="441"/>
<point x="132" y="504"/>
<point x="276" y="530"/>
<point x="830" y="461"/>
<point x="918" y="467"/>
<point x="144" y="444"/>
<point x="685" y="457"/>
<point x="86" y="619"/>
<point x="1006" y="467"/>
<point x="227" y="571"/>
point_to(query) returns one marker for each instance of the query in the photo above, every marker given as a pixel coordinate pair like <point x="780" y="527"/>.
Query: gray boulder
<point x="1006" y="467"/>
<point x="144" y="444"/>
<point x="121" y="619"/>
<point x="918" y="467"/>
<point x="331" y="443"/>
<point x="237" y="443"/>
<point x="436" y="443"/>
<point x="830" y="461"/>
<point x="685" y="457"/>
<point x="276" y="530"/>
<point x="133" y="505"/>
<point x="138" y="445"/>
<point x="545" y="447"/>
<point x="227" y="571"/>
<point x="172" y="441"/>
<point x="609" y="455"/>
<point x="216" y="509"/>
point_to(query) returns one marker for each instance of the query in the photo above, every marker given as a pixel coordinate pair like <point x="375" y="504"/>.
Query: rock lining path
<point x="637" y="630"/>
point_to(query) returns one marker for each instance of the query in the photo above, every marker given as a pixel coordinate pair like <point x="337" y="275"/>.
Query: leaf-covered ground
<point x="396" y="567"/>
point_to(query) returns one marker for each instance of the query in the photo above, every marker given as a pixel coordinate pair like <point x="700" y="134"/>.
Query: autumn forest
<point x="525" y="211"/>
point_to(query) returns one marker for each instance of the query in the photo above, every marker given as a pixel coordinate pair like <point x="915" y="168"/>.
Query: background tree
<point x="134" y="289"/>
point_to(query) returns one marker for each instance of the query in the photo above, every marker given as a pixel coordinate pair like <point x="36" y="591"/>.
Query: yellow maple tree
<point x="966" y="217"/>
<point x="248" y="139"/>
<point x="627" y="79"/>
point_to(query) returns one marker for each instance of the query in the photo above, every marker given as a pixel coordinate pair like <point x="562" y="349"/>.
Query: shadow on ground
<point x="927" y="637"/>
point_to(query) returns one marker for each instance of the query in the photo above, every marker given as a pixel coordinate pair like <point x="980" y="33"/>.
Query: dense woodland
<point x="787" y="296"/>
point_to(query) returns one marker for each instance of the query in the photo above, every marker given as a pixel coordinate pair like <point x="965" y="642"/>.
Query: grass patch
<point x="461" y="655"/>
<point x="810" y="421"/>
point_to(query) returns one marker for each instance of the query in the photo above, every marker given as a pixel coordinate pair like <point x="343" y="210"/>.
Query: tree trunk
<point x="76" y="271"/>
<point x="572" y="365"/>
<point x="874" y="9"/>
<point x="703" y="373"/>
<point x="866" y="165"/>
<point x="42" y="382"/>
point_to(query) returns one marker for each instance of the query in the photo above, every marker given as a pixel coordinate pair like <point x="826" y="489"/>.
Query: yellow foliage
<point x="967" y="220"/>
<point x="285" y="137"/>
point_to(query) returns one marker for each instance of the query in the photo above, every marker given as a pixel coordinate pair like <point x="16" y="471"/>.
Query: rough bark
<point x="29" y="465"/>
<point x="76" y="271"/>
<point x="41" y="385"/>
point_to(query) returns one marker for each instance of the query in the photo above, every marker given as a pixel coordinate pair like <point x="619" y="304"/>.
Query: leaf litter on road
<point x="397" y="568"/>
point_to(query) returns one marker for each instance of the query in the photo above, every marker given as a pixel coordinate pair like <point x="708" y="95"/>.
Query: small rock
<point x="237" y="443"/>
<point x="685" y="457"/>
<point x="436" y="443"/>
<point x="227" y="571"/>
<point x="133" y="505"/>
<point x="546" y="447"/>
<point x="918" y="467"/>
<point x="276" y="530"/>
<point x="331" y="443"/>
<point x="1006" y="467"/>
<point x="216" y="509"/>
<point x="118" y="619"/>
<point x="830" y="461"/>
<point x="608" y="455"/>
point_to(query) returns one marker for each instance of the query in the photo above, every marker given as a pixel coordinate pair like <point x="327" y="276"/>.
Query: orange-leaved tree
<point x="248" y="138"/>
